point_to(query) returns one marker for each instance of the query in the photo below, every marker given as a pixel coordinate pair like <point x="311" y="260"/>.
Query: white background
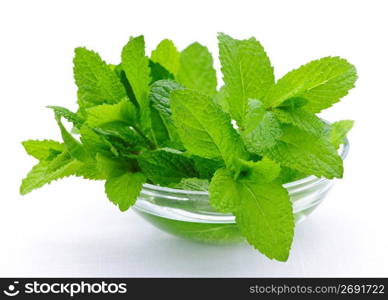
<point x="69" y="228"/>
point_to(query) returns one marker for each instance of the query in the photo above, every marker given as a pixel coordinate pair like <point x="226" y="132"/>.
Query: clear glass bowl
<point x="188" y="214"/>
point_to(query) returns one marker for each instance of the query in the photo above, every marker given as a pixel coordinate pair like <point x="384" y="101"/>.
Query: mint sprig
<point x="162" y="120"/>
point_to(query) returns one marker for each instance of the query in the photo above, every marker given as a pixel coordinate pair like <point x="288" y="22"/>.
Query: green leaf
<point x="123" y="190"/>
<point x="124" y="112"/>
<point x="221" y="98"/>
<point x="43" y="149"/>
<point x="74" y="118"/>
<point x="118" y="69"/>
<point x="46" y="171"/>
<point x="167" y="55"/>
<point x="206" y="167"/>
<point x="96" y="81"/>
<point x="159" y="130"/>
<point x="196" y="70"/>
<point x="224" y="191"/>
<point x="306" y="153"/>
<point x="288" y="175"/>
<point x="338" y="132"/>
<point x="166" y="166"/>
<point x="160" y="100"/>
<point x="261" y="129"/>
<point x="247" y="72"/>
<point x="265" y="218"/>
<point x="204" y="128"/>
<point x="322" y="82"/>
<point x="111" y="167"/>
<point x="95" y="143"/>
<point x="264" y="170"/>
<point x="89" y="170"/>
<point x="158" y="72"/>
<point x="292" y="104"/>
<point x="192" y="184"/>
<point x="124" y="140"/>
<point x="75" y="148"/>
<point x="137" y="71"/>
<point x="302" y="119"/>
<point x="261" y="205"/>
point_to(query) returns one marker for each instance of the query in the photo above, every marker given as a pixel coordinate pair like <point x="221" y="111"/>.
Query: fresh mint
<point x="161" y="119"/>
<point x="124" y="189"/>
<point x="167" y="55"/>
<point x="204" y="128"/>
<point x="196" y="70"/>
<point x="44" y="149"/>
<point x="321" y="82"/>
<point x="160" y="102"/>
<point x="166" y="166"/>
<point x="138" y="73"/>
<point x="47" y="170"/>
<point x="97" y="83"/>
<point x="247" y="73"/>
<point x="224" y="193"/>
<point x="339" y="131"/>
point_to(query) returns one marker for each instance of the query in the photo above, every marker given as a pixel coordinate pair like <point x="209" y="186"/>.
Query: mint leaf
<point x="322" y="82"/>
<point x="338" y="132"/>
<point x="261" y="205"/>
<point x="46" y="171"/>
<point x="43" y="149"/>
<point x="167" y="55"/>
<point x="95" y="143"/>
<point x="247" y="72"/>
<point x="123" y="190"/>
<point x="165" y="166"/>
<point x="304" y="150"/>
<point x="292" y="104"/>
<point x="99" y="115"/>
<point x="224" y="191"/>
<point x="68" y="115"/>
<point x="288" y="175"/>
<point x="196" y="69"/>
<point x="265" y="218"/>
<point x="118" y="69"/>
<point x="75" y="148"/>
<point x="204" y="128"/>
<point x="137" y="71"/>
<point x="125" y="141"/>
<point x="96" y="82"/>
<point x="306" y="153"/>
<point x="206" y="167"/>
<point x="192" y="184"/>
<point x="158" y="72"/>
<point x="110" y="166"/>
<point x="89" y="170"/>
<point x="264" y="170"/>
<point x="160" y="101"/>
<point x="302" y="119"/>
<point x="159" y="130"/>
<point x="261" y="129"/>
<point x="221" y="98"/>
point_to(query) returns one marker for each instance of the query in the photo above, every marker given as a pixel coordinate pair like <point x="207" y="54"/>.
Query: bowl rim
<point x="343" y="152"/>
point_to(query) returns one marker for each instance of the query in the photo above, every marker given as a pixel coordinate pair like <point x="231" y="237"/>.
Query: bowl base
<point x="216" y="234"/>
<point x="207" y="233"/>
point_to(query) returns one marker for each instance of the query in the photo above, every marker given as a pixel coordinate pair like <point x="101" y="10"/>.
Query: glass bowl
<point x="188" y="214"/>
